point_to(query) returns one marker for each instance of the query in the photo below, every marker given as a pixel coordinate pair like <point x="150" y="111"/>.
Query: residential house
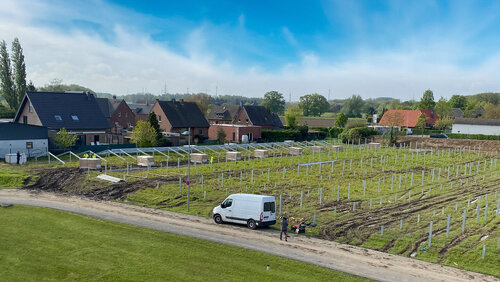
<point x="476" y="126"/>
<point x="258" y="116"/>
<point x="457" y="113"/>
<point x="407" y="118"/>
<point x="141" y="111"/>
<point x="76" y="111"/>
<point x="222" y="114"/>
<point x="32" y="140"/>
<point x="235" y="132"/>
<point x="117" y="112"/>
<point x="176" y="117"/>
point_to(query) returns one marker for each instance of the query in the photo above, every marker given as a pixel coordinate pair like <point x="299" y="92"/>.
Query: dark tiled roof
<point x="223" y="112"/>
<point x="183" y="114"/>
<point x="259" y="115"/>
<point x="19" y="131"/>
<point x="108" y="106"/>
<point x="49" y="104"/>
<point x="477" y="121"/>
<point x="457" y="113"/>
<point x="141" y="109"/>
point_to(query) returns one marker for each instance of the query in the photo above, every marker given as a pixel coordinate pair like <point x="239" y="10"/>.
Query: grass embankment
<point x="45" y="244"/>
<point x="15" y="176"/>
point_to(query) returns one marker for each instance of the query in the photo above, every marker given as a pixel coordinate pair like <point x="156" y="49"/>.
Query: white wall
<point x="40" y="147"/>
<point x="476" y="129"/>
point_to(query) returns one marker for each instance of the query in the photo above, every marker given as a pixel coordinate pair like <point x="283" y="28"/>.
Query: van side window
<point x="227" y="203"/>
<point x="269" y="206"/>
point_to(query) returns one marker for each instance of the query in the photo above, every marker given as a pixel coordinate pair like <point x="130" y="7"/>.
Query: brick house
<point x="235" y="132"/>
<point x="257" y="116"/>
<point x="178" y="116"/>
<point x="76" y="111"/>
<point x="407" y="118"/>
<point x="117" y="112"/>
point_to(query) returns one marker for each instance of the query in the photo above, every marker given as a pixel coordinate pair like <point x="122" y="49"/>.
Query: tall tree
<point x="458" y="101"/>
<point x="19" y="70"/>
<point x="153" y="121"/>
<point x="293" y="115"/>
<point x="353" y="107"/>
<point x="427" y="101"/>
<point x="274" y="102"/>
<point x="443" y="108"/>
<point x="421" y="122"/>
<point x="341" y="120"/>
<point x="313" y="104"/>
<point x="7" y="86"/>
<point x="202" y="100"/>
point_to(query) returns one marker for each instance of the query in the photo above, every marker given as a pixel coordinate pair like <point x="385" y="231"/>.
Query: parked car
<point x="438" y="135"/>
<point x="252" y="210"/>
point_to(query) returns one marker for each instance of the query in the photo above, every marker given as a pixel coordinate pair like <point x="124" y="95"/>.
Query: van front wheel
<point x="251" y="224"/>
<point x="218" y="219"/>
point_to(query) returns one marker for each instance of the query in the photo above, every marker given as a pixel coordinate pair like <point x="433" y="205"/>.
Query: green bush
<point x="357" y="134"/>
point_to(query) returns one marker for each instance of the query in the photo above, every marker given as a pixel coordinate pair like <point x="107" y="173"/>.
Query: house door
<point x="250" y="136"/>
<point x="96" y="139"/>
<point x="234" y="135"/>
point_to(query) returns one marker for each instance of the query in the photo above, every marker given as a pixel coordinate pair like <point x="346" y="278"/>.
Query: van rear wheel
<point x="251" y="224"/>
<point x="218" y="219"/>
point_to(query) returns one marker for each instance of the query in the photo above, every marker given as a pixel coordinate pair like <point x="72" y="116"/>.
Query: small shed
<point x="31" y="140"/>
<point x="316" y="149"/>
<point x="373" y="145"/>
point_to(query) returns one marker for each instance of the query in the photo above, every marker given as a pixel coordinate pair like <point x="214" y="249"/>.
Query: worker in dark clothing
<point x="18" y="157"/>
<point x="284" y="227"/>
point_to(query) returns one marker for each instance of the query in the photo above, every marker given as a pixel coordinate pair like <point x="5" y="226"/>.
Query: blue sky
<point x="370" y="48"/>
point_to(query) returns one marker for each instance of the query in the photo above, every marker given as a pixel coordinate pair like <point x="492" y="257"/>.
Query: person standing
<point x="284" y="227"/>
<point x="18" y="157"/>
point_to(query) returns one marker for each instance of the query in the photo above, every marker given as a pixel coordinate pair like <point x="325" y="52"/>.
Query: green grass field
<point x="44" y="244"/>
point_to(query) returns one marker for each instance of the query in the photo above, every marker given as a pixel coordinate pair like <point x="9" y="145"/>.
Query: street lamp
<point x="188" y="133"/>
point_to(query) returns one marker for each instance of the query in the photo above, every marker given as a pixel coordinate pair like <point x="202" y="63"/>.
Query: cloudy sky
<point x="371" y="48"/>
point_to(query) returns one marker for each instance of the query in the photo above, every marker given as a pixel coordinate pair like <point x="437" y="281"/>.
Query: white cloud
<point x="132" y="61"/>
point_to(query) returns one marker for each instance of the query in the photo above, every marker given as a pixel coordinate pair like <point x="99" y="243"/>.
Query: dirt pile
<point x="487" y="146"/>
<point x="59" y="180"/>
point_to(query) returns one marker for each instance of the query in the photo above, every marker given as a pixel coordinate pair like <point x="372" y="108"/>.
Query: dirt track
<point x="351" y="259"/>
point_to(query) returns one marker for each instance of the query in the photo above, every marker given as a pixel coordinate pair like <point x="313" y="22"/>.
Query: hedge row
<point x="357" y="134"/>
<point x="473" y="136"/>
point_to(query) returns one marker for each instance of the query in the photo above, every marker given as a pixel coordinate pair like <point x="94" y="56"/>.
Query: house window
<point x="75" y="117"/>
<point x="119" y="114"/>
<point x="126" y="114"/>
<point x="234" y="136"/>
<point x="30" y="108"/>
<point x="200" y="131"/>
<point x="25" y="119"/>
<point x="29" y="145"/>
<point x="159" y="118"/>
<point x="58" y="117"/>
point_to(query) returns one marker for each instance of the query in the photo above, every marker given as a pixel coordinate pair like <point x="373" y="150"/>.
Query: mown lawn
<point x="44" y="244"/>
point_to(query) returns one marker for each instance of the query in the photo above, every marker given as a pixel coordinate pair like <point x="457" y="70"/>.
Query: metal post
<point x="448" y="227"/>
<point x="430" y="235"/>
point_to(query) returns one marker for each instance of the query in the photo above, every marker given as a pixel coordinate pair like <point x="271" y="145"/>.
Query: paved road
<point x="350" y="259"/>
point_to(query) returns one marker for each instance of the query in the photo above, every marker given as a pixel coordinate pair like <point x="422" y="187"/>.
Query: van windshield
<point x="269" y="207"/>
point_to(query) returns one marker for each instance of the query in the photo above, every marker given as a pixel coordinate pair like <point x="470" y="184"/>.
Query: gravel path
<point x="345" y="258"/>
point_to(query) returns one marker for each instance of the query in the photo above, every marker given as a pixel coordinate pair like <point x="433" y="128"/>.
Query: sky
<point x="334" y="48"/>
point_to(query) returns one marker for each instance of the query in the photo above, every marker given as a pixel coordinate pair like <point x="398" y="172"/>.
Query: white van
<point x="252" y="210"/>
